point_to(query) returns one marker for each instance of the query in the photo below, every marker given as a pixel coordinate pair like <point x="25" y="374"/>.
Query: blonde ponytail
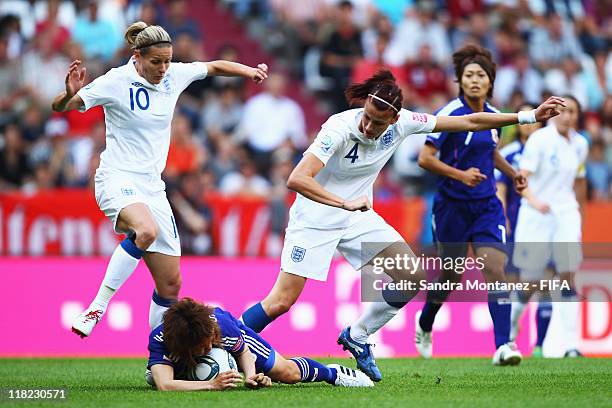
<point x="139" y="35"/>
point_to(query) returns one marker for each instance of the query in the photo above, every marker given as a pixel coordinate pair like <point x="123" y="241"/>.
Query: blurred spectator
<point x="177" y="20"/>
<point x="474" y="29"/>
<point x="10" y="29"/>
<point x="185" y="154"/>
<point x="598" y="171"/>
<point x="551" y="44"/>
<point x="14" y="167"/>
<point x="52" y="29"/>
<point x="417" y="28"/>
<point x="425" y="78"/>
<point x="221" y="115"/>
<point x="50" y="157"/>
<point x="381" y="26"/>
<point x="192" y="214"/>
<point x="297" y="26"/>
<point x="11" y="89"/>
<point x="393" y="9"/>
<point x="272" y="120"/>
<point x="366" y="67"/>
<point x="463" y="9"/>
<point x="568" y="79"/>
<point x="518" y="76"/>
<point x="97" y="36"/>
<point x="279" y="205"/>
<point x="224" y="161"/>
<point x="341" y="51"/>
<point x="245" y="182"/>
<point x="43" y="88"/>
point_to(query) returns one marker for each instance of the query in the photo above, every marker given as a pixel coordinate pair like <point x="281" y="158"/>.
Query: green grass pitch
<point x="468" y="382"/>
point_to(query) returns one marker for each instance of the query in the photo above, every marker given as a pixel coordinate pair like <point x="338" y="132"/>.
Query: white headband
<point x="383" y="101"/>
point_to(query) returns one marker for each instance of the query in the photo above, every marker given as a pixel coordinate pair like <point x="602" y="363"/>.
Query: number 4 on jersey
<point x="353" y="153"/>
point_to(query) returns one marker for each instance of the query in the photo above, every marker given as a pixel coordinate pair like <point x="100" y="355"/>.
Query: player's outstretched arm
<point x="68" y="99"/>
<point x="228" y="68"/>
<point x="163" y="375"/>
<point x="483" y="120"/>
<point x="302" y="180"/>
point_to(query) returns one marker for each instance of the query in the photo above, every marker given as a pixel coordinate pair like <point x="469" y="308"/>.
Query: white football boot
<point x="86" y="321"/>
<point x="423" y="342"/>
<point x="347" y="377"/>
<point x="507" y="355"/>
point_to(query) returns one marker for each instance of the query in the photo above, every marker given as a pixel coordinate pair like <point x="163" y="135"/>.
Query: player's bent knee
<point x="146" y="235"/>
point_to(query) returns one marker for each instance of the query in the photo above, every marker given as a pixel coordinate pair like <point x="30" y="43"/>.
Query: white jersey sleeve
<point x="411" y="123"/>
<point x="327" y="142"/>
<point x="531" y="157"/>
<point x="101" y="91"/>
<point x="185" y="73"/>
<point x="583" y="151"/>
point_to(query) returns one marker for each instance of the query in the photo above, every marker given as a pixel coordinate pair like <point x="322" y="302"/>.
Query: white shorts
<point x="308" y="252"/>
<point x="116" y="190"/>
<point x="542" y="238"/>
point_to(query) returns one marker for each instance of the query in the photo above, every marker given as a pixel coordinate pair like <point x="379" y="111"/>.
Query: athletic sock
<point x="375" y="316"/>
<point x="517" y="309"/>
<point x="500" y="308"/>
<point x="313" y="371"/>
<point x="568" y="309"/>
<point x="543" y="315"/>
<point x="158" y="307"/>
<point x="256" y="318"/>
<point x="435" y="300"/>
<point x="122" y="264"/>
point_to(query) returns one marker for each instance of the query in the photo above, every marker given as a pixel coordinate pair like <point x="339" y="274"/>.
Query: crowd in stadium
<point x="229" y="139"/>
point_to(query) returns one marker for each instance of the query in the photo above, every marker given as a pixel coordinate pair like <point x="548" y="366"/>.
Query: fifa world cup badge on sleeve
<point x="297" y="254"/>
<point x="326" y="143"/>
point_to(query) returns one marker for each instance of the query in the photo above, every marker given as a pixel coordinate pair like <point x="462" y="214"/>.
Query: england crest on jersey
<point x="387" y="139"/>
<point x="297" y="254"/>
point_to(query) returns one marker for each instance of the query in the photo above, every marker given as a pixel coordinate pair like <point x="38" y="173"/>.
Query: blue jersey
<point x="512" y="153"/>
<point x="234" y="336"/>
<point x="463" y="150"/>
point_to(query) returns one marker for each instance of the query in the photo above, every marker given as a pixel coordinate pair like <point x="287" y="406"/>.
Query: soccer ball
<point x="211" y="365"/>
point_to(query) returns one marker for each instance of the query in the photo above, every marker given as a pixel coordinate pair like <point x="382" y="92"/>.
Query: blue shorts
<point x="263" y="351"/>
<point x="459" y="222"/>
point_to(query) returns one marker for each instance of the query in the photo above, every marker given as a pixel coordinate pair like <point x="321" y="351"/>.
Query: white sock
<point x="569" y="317"/>
<point x="119" y="269"/>
<point x="375" y="316"/>
<point x="157" y="309"/>
<point x="515" y="315"/>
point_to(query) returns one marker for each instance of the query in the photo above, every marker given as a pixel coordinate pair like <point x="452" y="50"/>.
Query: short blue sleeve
<point x="436" y="139"/>
<point x="231" y="336"/>
<point x="158" y="354"/>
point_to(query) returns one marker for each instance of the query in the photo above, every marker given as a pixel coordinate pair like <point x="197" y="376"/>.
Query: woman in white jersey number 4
<point x="333" y="209"/>
<point x="139" y="100"/>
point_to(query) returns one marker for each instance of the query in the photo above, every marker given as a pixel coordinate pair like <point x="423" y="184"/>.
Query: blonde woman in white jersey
<point x="333" y="209"/>
<point x="549" y="224"/>
<point x="139" y="100"/>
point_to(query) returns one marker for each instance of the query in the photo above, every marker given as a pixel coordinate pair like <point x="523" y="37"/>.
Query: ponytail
<point x="380" y="88"/>
<point x="141" y="36"/>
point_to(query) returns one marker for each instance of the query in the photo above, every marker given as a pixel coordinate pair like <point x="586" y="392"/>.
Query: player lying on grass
<point x="190" y="329"/>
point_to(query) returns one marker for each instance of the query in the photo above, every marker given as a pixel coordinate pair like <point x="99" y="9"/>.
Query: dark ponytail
<point x="474" y="54"/>
<point x="383" y="86"/>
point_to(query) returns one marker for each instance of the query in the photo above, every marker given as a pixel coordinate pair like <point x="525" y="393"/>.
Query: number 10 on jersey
<point x="138" y="98"/>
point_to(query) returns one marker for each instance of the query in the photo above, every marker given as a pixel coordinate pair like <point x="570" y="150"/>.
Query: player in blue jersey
<point x="190" y="329"/>
<point x="333" y="209"/>
<point x="466" y="209"/>
<point x="511" y="201"/>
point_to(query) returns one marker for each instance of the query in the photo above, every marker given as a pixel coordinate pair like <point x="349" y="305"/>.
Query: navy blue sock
<point x="164" y="302"/>
<point x="500" y="308"/>
<point x="568" y="294"/>
<point x="256" y="318"/>
<point x="543" y="315"/>
<point x="395" y="298"/>
<point x="435" y="300"/>
<point x="313" y="371"/>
